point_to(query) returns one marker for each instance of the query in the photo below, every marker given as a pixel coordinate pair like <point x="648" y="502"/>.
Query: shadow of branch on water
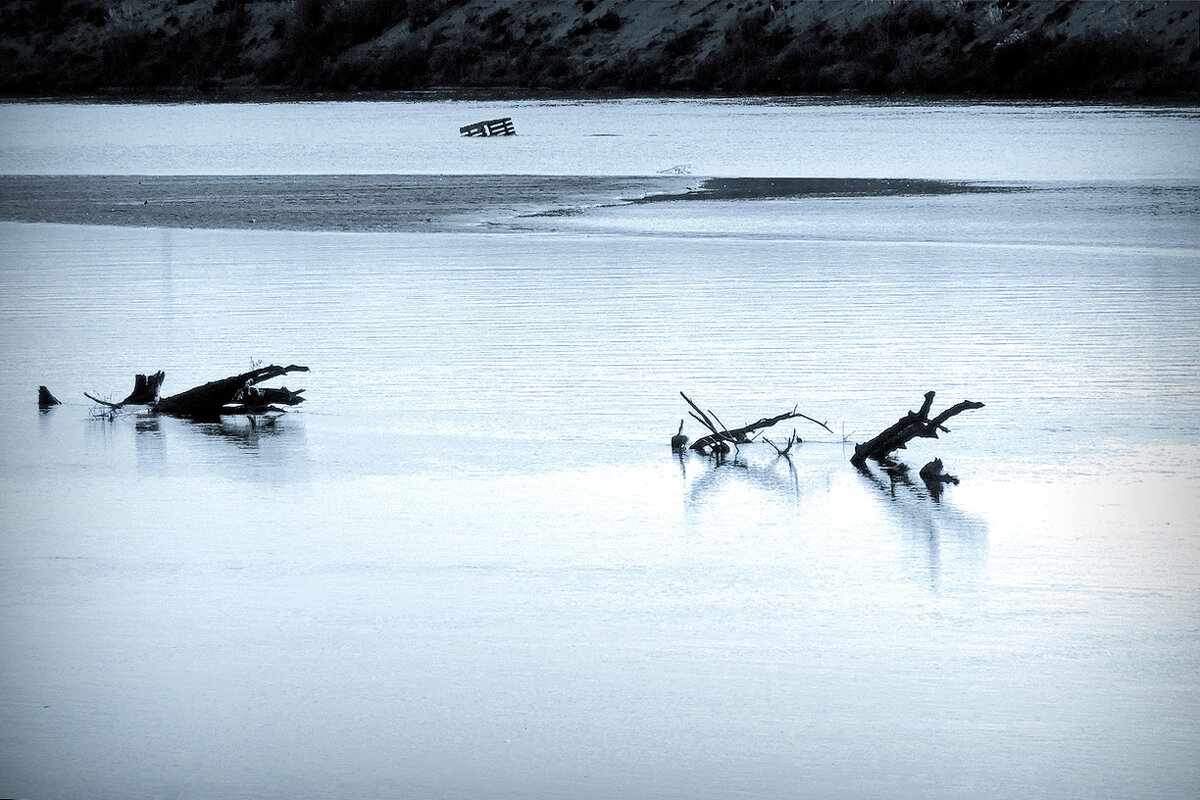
<point x="715" y="476"/>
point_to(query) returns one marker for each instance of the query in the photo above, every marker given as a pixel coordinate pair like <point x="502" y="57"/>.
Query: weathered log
<point x="914" y="424"/>
<point x="45" y="399"/>
<point x="720" y="434"/>
<point x="233" y="395"/>
<point x="255" y="400"/>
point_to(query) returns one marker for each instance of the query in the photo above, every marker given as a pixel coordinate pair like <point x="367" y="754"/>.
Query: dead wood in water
<point x="913" y="425"/>
<point x="46" y="400"/>
<point x="238" y="394"/>
<point x="785" y="450"/>
<point x="145" y="391"/>
<point x="935" y="478"/>
<point x="234" y="395"/>
<point x="720" y="437"/>
<point x="679" y="440"/>
<point x="934" y="473"/>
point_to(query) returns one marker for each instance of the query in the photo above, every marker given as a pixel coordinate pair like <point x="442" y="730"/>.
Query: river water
<point x="470" y="566"/>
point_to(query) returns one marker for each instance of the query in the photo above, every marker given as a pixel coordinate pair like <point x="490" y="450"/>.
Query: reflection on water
<point x="712" y="477"/>
<point x="151" y="444"/>
<point x="152" y="438"/>
<point x="247" y="432"/>
<point x="768" y="493"/>
<point x="927" y="519"/>
<point x="271" y="449"/>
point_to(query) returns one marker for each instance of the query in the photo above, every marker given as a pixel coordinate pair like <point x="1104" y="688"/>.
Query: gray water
<point x="470" y="566"/>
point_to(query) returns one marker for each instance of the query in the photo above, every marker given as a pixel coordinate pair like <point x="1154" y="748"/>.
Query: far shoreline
<point x="282" y="94"/>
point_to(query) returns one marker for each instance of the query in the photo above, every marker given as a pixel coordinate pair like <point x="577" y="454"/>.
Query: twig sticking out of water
<point x="679" y="440"/>
<point x="784" y="451"/>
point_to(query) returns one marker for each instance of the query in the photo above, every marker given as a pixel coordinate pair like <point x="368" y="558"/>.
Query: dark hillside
<point x="968" y="47"/>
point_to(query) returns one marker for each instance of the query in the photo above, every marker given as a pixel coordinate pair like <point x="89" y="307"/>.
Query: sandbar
<point x="368" y="203"/>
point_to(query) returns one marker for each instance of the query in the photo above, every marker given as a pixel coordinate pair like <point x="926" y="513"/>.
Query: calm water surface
<point x="626" y="137"/>
<point x="470" y="565"/>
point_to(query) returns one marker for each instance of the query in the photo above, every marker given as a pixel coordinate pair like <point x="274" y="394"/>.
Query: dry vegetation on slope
<point x="953" y="47"/>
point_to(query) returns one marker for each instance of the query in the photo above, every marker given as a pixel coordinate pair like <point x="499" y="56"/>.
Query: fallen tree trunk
<point x="720" y="435"/>
<point x="915" y="424"/>
<point x="234" y="395"/>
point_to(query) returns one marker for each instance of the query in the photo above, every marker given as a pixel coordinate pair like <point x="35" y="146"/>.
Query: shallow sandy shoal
<point x="388" y="202"/>
<point x="313" y="202"/>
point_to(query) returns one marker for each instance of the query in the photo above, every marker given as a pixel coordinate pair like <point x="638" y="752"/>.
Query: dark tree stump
<point x="45" y="399"/>
<point x="145" y="389"/>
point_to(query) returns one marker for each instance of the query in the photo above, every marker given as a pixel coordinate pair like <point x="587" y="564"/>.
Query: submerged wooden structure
<point x="490" y="127"/>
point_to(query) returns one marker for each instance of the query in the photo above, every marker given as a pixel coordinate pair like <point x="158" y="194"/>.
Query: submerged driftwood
<point x="234" y="395"/>
<point x="45" y="399"/>
<point x="238" y="394"/>
<point x="935" y="478"/>
<point x="145" y="391"/>
<point x="787" y="448"/>
<point x="913" y="425"/>
<point x="720" y="437"/>
<point x="679" y="440"/>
